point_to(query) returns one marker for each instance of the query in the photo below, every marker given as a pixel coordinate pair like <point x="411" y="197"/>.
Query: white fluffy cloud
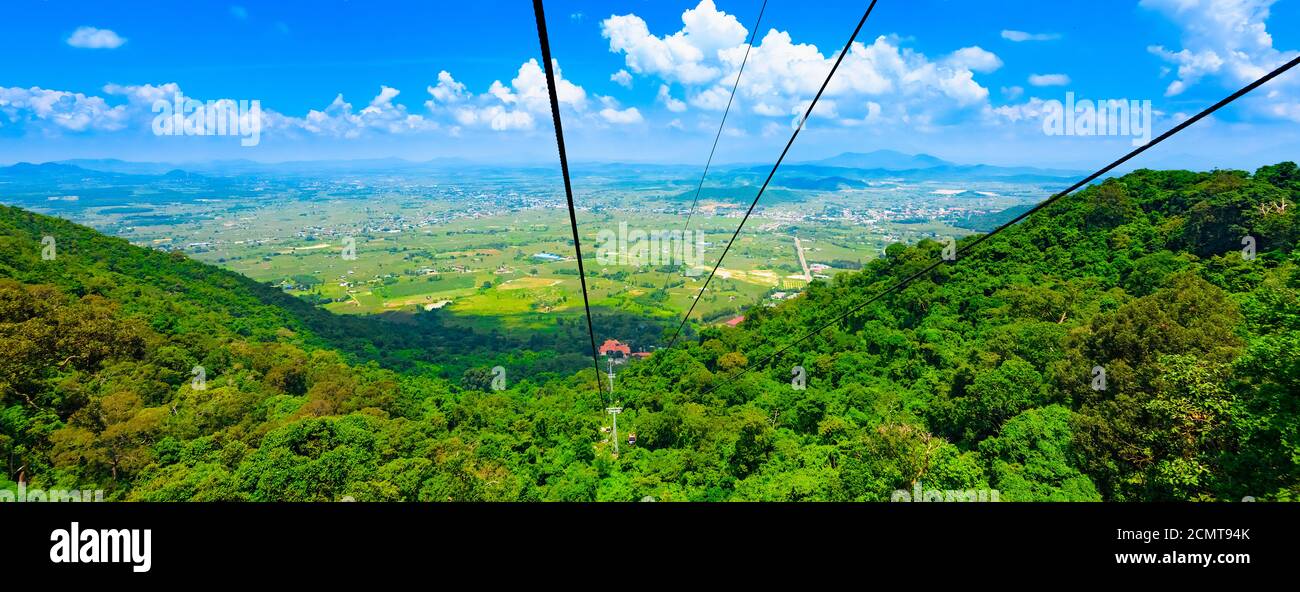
<point x="1032" y="110"/>
<point x="530" y="87"/>
<point x="974" y="59"/>
<point x="621" y="116"/>
<point x="495" y="117"/>
<point x="622" y="78"/>
<point x="880" y="81"/>
<point x="614" y="113"/>
<point x="143" y="96"/>
<point x="1021" y="36"/>
<point x="925" y="85"/>
<point x="1228" y="41"/>
<point x="518" y="105"/>
<point x="451" y="106"/>
<point x="1049" y="79"/>
<point x="122" y="108"/>
<point x="689" y="56"/>
<point x="665" y="96"/>
<point x="63" y="110"/>
<point x="1192" y="66"/>
<point x="94" y="38"/>
<point x="340" y="120"/>
<point x="447" y="91"/>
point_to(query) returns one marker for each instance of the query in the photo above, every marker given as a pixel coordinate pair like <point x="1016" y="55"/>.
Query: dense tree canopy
<point x="155" y="377"/>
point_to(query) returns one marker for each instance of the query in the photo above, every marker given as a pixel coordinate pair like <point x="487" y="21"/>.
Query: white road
<point x="798" y="247"/>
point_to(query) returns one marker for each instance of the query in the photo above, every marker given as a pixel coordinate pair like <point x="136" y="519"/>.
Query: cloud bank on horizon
<point x="896" y="88"/>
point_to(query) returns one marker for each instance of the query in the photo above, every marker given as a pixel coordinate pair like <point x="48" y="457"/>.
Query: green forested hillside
<point x="980" y="376"/>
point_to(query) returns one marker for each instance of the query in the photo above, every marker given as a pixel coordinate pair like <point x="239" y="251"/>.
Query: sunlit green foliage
<point x="977" y="376"/>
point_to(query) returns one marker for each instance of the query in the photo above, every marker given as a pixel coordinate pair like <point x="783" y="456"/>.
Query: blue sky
<point x="643" y="80"/>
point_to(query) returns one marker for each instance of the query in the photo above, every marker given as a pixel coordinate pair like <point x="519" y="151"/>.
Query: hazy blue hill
<point x="849" y="170"/>
<point x="114" y="165"/>
<point x="887" y="164"/>
<point x="997" y="171"/>
<point x="179" y="174"/>
<point x="633" y="167"/>
<point x="243" y="166"/>
<point x="823" y="183"/>
<point x="34" y="185"/>
<point x="739" y="195"/>
<point x="50" y="172"/>
<point x="889" y="160"/>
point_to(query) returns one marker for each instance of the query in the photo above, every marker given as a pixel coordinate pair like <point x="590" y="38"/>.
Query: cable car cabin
<point x="631" y="439"/>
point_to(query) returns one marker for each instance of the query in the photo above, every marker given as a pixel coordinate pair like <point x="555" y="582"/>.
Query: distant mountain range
<point x="100" y="180"/>
<point x="888" y="160"/>
<point x="47" y="169"/>
<point x="890" y="164"/>
<point x="95" y="182"/>
<point x="869" y="164"/>
<point x="244" y="166"/>
<point x="66" y="172"/>
<point x="57" y="185"/>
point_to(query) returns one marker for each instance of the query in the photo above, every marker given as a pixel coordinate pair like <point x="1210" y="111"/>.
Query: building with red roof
<point x="614" y="345"/>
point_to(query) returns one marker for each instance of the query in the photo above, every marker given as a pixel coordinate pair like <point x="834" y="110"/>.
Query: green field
<point x="501" y="256"/>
